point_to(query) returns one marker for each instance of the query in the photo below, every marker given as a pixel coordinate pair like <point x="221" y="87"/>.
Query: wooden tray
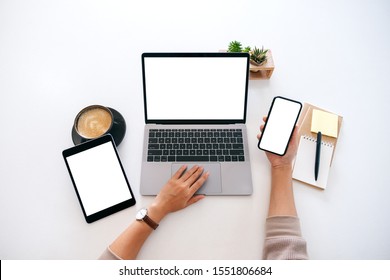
<point x="263" y="71"/>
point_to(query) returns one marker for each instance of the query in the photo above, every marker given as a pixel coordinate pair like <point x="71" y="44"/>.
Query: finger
<point x="265" y="118"/>
<point x="189" y="173"/>
<point x="262" y="127"/>
<point x="192" y="179"/>
<point x="198" y="183"/>
<point x="195" y="199"/>
<point x="261" y="130"/>
<point x="179" y="172"/>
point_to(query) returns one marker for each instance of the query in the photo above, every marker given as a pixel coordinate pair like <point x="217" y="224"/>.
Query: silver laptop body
<point x="195" y="112"/>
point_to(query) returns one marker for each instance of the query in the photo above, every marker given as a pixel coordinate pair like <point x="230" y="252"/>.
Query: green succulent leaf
<point x="235" y="46"/>
<point x="256" y="54"/>
<point x="259" y="56"/>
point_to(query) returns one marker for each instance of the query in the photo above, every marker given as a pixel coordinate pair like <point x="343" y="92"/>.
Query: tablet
<point x="98" y="178"/>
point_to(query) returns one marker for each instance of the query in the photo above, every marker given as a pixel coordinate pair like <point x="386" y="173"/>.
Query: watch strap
<point x="150" y="222"/>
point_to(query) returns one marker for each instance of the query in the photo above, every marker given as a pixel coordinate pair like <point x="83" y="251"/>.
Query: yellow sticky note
<point x="325" y="122"/>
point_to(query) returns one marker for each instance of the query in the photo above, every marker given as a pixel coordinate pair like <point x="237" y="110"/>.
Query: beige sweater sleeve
<point x="109" y="255"/>
<point x="283" y="239"/>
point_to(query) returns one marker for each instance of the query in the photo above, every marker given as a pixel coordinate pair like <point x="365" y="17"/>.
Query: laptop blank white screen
<point x="195" y="88"/>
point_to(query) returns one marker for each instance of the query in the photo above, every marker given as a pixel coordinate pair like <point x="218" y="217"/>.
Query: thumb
<point x="195" y="199"/>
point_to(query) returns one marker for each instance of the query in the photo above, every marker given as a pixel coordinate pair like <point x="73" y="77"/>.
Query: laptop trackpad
<point x="213" y="183"/>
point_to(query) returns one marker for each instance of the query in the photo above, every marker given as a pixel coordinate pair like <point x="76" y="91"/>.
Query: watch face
<point x="141" y="214"/>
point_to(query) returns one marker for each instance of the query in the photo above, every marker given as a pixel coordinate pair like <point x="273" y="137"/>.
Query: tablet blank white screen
<point x="99" y="178"/>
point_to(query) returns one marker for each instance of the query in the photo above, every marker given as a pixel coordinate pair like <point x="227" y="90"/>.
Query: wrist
<point x="284" y="167"/>
<point x="281" y="176"/>
<point x="156" y="212"/>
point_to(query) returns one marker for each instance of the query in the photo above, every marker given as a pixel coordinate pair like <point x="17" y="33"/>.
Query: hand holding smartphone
<point x="282" y="118"/>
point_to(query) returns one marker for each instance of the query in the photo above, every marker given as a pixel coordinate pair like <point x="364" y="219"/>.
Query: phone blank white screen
<point x="195" y="88"/>
<point x="99" y="178"/>
<point x="279" y="126"/>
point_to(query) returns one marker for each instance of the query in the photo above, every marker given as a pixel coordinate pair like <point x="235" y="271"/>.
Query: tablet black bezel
<point x="86" y="146"/>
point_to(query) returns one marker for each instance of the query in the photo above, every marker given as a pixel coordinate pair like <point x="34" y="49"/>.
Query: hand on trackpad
<point x="212" y="184"/>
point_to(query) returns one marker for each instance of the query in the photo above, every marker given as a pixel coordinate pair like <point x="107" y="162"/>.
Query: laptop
<point x="195" y="112"/>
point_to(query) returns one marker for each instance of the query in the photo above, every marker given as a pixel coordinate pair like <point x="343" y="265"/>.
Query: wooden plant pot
<point x="262" y="71"/>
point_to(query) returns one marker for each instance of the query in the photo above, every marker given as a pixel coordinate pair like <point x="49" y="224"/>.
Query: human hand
<point x="286" y="160"/>
<point x="178" y="192"/>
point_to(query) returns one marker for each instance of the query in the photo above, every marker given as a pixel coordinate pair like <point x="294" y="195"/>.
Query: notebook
<point x="305" y="124"/>
<point x="304" y="163"/>
<point x="195" y="112"/>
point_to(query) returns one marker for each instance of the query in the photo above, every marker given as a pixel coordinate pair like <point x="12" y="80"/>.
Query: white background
<point x="57" y="57"/>
<point x="280" y="270"/>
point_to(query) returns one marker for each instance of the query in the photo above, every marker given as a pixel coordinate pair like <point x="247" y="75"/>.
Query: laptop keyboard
<point x="179" y="145"/>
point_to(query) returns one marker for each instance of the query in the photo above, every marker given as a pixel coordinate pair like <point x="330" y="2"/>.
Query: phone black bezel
<point x="292" y="130"/>
<point x="86" y="146"/>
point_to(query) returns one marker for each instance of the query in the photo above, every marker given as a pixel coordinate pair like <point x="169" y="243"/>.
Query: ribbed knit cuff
<point x="282" y="226"/>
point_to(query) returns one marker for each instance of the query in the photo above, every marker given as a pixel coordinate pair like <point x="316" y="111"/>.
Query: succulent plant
<point x="246" y="49"/>
<point x="258" y="56"/>
<point x="235" y="46"/>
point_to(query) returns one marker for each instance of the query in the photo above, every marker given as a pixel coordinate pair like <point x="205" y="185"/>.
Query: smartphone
<point x="282" y="118"/>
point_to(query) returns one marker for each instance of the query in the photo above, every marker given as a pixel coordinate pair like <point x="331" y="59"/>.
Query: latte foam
<point x="94" y="122"/>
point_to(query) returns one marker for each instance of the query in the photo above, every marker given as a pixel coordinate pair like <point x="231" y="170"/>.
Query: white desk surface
<point x="57" y="57"/>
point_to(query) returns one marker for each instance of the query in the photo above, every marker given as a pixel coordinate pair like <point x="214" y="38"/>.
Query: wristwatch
<point x="142" y="215"/>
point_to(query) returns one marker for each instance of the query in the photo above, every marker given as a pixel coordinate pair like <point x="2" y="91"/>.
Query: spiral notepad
<point x="305" y="160"/>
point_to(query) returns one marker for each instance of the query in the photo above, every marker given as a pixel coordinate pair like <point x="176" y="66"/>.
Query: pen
<point x="318" y="153"/>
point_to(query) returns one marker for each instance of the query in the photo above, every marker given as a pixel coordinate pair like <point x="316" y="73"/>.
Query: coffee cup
<point x="93" y="121"/>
